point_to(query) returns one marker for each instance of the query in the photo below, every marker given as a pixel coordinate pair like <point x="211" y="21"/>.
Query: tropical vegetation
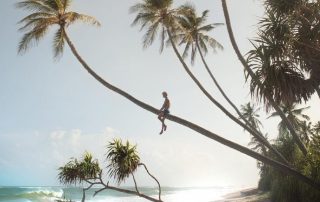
<point x="123" y="161"/>
<point x="283" y="55"/>
<point x="283" y="187"/>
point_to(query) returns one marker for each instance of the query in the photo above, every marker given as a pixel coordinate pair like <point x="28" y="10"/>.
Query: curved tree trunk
<point x="84" y="192"/>
<point x="135" y="183"/>
<point x="224" y="110"/>
<point x="254" y="77"/>
<point x="256" y="134"/>
<point x="145" y="167"/>
<point x="194" y="127"/>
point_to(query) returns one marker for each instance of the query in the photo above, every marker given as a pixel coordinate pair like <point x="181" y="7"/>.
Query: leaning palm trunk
<point x="220" y="89"/>
<point x="194" y="127"/>
<point x="256" y="133"/>
<point x="224" y="110"/>
<point x="254" y="77"/>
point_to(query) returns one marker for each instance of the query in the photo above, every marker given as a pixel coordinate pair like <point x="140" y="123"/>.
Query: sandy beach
<point x="246" y="195"/>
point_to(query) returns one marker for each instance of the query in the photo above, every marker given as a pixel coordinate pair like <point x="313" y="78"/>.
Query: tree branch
<point x="135" y="183"/>
<point x="145" y="167"/>
<point x="137" y="193"/>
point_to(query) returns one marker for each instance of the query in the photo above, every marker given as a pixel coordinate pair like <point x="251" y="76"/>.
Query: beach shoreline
<point x="246" y="195"/>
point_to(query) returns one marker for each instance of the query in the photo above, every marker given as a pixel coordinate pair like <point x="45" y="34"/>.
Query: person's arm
<point x="163" y="106"/>
<point x="166" y="104"/>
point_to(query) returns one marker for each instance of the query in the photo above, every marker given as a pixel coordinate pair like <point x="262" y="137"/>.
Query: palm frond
<point x="35" y="23"/>
<point x="58" y="43"/>
<point x="163" y="36"/>
<point x="66" y="4"/>
<point x="35" y="5"/>
<point x="150" y="34"/>
<point x="31" y="38"/>
<point x="72" y="17"/>
<point x="54" y="4"/>
<point x="186" y="49"/>
<point x="36" y="15"/>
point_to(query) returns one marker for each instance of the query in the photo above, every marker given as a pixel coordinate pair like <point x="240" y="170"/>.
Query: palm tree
<point x="43" y="6"/>
<point x="154" y="15"/>
<point x="302" y="19"/>
<point x="250" y="113"/>
<point x="48" y="13"/>
<point x="123" y="161"/>
<point x="80" y="171"/>
<point x="254" y="77"/>
<point x="193" y="33"/>
<point x="293" y="114"/>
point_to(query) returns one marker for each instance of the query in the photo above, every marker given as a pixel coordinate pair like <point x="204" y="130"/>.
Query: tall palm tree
<point x="155" y="15"/>
<point x="48" y="5"/>
<point x="254" y="77"/>
<point x="193" y="33"/>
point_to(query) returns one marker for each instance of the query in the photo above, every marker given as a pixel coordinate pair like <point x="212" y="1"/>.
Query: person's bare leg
<point x="161" y="118"/>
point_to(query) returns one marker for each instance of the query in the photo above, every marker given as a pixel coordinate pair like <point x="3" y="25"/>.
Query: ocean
<point x="52" y="194"/>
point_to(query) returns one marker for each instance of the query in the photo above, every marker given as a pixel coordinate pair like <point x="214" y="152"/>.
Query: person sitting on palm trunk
<point x="164" y="111"/>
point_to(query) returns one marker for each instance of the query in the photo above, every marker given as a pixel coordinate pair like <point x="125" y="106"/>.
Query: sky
<point x="52" y="110"/>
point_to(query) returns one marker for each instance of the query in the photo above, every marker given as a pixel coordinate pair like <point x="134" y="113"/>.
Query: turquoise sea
<point x="52" y="194"/>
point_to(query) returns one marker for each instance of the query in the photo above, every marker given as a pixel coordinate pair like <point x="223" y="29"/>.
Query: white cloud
<point x="56" y="135"/>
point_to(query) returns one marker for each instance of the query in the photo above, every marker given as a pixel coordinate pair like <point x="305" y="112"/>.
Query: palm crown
<point x="294" y="114"/>
<point x="250" y="112"/>
<point x="76" y="171"/>
<point x="45" y="14"/>
<point x="156" y="16"/>
<point x="123" y="159"/>
<point x="193" y="32"/>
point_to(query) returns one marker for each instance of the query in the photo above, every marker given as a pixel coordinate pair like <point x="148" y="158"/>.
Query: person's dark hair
<point x="165" y="93"/>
